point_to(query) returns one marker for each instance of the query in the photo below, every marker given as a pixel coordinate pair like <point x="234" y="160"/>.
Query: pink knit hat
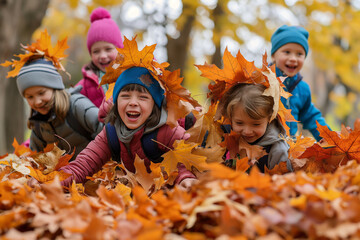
<point x="103" y="28"/>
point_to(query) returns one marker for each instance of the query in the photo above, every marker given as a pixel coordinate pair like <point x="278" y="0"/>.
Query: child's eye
<point x="144" y="96"/>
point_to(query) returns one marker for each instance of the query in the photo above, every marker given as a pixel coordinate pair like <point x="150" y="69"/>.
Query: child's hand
<point x="104" y="108"/>
<point x="186" y="184"/>
<point x="32" y="182"/>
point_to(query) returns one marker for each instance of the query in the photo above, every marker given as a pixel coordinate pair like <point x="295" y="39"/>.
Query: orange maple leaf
<point x="206" y="125"/>
<point x="129" y="56"/>
<point x="280" y="168"/>
<point x="21" y="150"/>
<point x="38" y="175"/>
<point x="227" y="74"/>
<point x="182" y="153"/>
<point x="178" y="99"/>
<point x="339" y="151"/>
<point x="298" y="147"/>
<point x="41" y="48"/>
<point x="242" y="165"/>
<point x="235" y="143"/>
<point x="145" y="179"/>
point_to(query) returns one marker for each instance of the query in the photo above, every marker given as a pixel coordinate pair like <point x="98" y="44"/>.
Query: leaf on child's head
<point x="129" y="56"/>
<point x="178" y="99"/>
<point x="41" y="48"/>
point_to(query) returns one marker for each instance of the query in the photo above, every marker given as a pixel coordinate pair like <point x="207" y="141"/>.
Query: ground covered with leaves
<point x="320" y="200"/>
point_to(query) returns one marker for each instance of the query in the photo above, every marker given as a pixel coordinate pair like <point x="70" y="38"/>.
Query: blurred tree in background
<point x="191" y="32"/>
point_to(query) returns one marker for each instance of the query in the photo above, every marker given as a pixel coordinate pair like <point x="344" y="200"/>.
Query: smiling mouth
<point x="291" y="67"/>
<point x="132" y="115"/>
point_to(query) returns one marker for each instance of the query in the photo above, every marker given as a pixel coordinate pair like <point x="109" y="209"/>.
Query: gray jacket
<point x="278" y="151"/>
<point x="47" y="127"/>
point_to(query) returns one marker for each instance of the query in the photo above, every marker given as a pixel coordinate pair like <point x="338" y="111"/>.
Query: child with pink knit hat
<point x="103" y="38"/>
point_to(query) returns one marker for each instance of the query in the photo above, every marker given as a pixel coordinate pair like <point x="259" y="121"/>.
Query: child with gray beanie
<point x="289" y="50"/>
<point x="57" y="115"/>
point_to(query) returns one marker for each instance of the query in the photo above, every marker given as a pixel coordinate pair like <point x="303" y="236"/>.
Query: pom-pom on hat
<point x="141" y="76"/>
<point x="289" y="34"/>
<point x="39" y="72"/>
<point x="103" y="28"/>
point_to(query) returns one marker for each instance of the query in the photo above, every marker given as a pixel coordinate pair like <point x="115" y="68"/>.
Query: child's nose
<point x="133" y="101"/>
<point x="37" y="101"/>
<point x="247" y="130"/>
<point x="293" y="57"/>
<point x="103" y="54"/>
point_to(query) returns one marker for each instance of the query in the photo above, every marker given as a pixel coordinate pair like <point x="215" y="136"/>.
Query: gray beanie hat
<point x="39" y="72"/>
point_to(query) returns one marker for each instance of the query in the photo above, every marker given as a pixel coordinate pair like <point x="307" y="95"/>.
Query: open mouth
<point x="133" y="115"/>
<point x="105" y="64"/>
<point x="291" y="67"/>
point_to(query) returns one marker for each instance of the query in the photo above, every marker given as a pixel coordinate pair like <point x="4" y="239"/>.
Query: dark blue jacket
<point x="301" y="105"/>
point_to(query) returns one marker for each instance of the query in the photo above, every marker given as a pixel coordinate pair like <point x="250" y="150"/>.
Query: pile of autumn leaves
<point x="321" y="199"/>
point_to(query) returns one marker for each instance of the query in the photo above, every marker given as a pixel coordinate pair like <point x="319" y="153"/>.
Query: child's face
<point x="250" y="129"/>
<point x="134" y="107"/>
<point x="39" y="98"/>
<point x="102" y="53"/>
<point x="289" y="58"/>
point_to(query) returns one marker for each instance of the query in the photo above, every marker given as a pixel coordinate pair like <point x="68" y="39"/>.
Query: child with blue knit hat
<point x="58" y="115"/>
<point x="288" y="52"/>
<point x="139" y="112"/>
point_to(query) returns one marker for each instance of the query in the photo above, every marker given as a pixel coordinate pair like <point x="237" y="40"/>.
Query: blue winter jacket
<point x="301" y="105"/>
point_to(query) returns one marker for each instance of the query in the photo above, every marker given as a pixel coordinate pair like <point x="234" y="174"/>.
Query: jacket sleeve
<point x="167" y="136"/>
<point x="86" y="113"/>
<point x="279" y="153"/>
<point x="309" y="114"/>
<point x="104" y="108"/>
<point x="89" y="161"/>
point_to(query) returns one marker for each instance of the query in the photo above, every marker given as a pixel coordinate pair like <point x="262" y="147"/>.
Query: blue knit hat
<point x="141" y="76"/>
<point x="289" y="34"/>
<point x="39" y="72"/>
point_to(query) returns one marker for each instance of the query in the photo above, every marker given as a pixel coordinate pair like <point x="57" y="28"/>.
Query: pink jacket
<point x="91" y="87"/>
<point x="97" y="153"/>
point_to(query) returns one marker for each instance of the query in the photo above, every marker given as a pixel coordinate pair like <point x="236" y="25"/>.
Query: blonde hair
<point x="154" y="117"/>
<point x="60" y="103"/>
<point x="250" y="97"/>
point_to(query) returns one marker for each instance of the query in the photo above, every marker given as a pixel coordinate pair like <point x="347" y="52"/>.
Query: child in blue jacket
<point x="288" y="53"/>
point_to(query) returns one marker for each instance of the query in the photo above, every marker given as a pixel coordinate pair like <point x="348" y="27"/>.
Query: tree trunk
<point x="178" y="49"/>
<point x="18" y="20"/>
<point x="217" y="16"/>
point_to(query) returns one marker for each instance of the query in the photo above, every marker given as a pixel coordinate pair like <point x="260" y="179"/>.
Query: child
<point x="139" y="109"/>
<point x="66" y="117"/>
<point x="249" y="113"/>
<point x="288" y="52"/>
<point x="103" y="38"/>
